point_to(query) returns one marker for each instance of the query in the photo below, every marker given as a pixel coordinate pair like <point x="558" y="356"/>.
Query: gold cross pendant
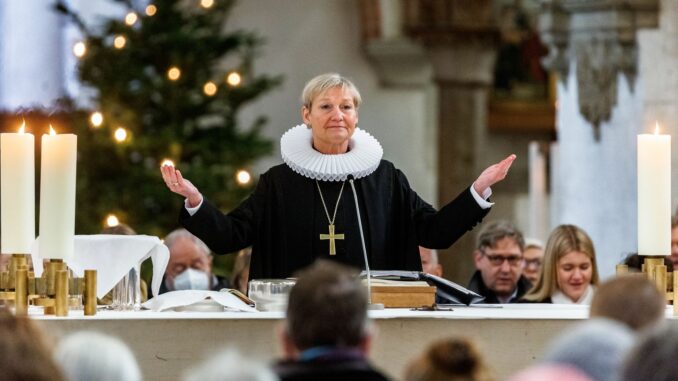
<point x="332" y="237"/>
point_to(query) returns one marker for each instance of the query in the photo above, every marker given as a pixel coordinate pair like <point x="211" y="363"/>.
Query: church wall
<point x="308" y="37"/>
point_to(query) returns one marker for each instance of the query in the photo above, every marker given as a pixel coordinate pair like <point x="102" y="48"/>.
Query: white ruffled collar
<point x="363" y="157"/>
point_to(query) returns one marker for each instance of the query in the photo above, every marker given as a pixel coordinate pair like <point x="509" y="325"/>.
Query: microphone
<point x="376" y="306"/>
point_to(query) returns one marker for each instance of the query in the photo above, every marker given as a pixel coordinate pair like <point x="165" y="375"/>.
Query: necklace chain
<point x="331" y="220"/>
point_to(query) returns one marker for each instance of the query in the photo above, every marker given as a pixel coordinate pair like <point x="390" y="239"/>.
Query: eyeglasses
<point x="535" y="262"/>
<point x="498" y="259"/>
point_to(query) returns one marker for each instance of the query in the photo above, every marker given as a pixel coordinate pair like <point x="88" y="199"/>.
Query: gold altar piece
<point x="20" y="288"/>
<point x="90" y="292"/>
<point x="654" y="269"/>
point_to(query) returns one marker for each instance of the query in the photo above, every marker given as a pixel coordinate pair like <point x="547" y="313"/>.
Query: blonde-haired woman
<point x="569" y="274"/>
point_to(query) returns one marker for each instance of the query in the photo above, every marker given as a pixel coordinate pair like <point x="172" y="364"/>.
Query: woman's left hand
<point x="493" y="174"/>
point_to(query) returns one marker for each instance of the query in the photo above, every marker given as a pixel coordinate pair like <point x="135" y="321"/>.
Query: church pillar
<point x="594" y="49"/>
<point x="460" y="40"/>
<point x="31" y="54"/>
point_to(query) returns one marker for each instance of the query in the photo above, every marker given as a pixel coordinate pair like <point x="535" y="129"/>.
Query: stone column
<point x="460" y="39"/>
<point x="593" y="47"/>
<point x="31" y="56"/>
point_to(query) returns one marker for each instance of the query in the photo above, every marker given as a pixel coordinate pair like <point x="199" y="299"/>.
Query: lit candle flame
<point x="656" y="128"/>
<point x="23" y="127"/>
<point x="51" y="130"/>
<point x="167" y="162"/>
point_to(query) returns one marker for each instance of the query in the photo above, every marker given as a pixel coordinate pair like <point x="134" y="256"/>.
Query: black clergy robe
<point x="283" y="217"/>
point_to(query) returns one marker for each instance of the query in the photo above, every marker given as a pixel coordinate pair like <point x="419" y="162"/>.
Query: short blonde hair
<point x="563" y="240"/>
<point x="324" y="82"/>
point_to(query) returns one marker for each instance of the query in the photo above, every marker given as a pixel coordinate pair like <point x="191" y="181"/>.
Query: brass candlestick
<point x="90" y="292"/>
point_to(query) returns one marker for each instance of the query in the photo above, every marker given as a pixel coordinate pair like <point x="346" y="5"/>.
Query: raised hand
<point x="177" y="184"/>
<point x="493" y="174"/>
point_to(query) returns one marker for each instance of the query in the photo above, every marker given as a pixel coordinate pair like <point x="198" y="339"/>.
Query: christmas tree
<point x="168" y="84"/>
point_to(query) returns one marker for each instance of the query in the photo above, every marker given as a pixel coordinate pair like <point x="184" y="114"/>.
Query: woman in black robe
<point x="306" y="208"/>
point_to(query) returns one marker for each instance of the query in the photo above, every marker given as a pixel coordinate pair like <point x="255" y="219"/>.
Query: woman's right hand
<point x="177" y="184"/>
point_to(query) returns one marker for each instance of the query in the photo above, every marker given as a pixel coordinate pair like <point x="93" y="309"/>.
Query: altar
<point x="167" y="343"/>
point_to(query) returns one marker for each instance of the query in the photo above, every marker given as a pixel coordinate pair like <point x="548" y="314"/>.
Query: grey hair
<point x="180" y="233"/>
<point x="597" y="347"/>
<point x="89" y="355"/>
<point x="533" y="243"/>
<point x="229" y="365"/>
<point x="495" y="231"/>
<point x="324" y="82"/>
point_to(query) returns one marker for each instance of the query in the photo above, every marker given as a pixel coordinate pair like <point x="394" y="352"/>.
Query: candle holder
<point x="655" y="270"/>
<point x="56" y="291"/>
<point x="60" y="292"/>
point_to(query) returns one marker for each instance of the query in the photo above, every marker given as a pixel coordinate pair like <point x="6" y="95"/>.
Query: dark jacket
<point x="477" y="285"/>
<point x="282" y="218"/>
<point x="338" y="366"/>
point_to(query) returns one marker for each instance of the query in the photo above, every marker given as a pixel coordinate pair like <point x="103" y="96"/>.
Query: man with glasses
<point x="499" y="262"/>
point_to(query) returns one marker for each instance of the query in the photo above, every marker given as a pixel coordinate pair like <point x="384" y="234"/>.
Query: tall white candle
<point x="654" y="194"/>
<point x="17" y="191"/>
<point x="57" y="195"/>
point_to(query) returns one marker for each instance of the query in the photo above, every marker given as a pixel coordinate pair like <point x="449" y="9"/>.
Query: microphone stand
<point x="371" y="306"/>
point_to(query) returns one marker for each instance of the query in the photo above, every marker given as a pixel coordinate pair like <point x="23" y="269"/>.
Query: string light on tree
<point x="233" y="78"/>
<point x="167" y="162"/>
<point x="243" y="177"/>
<point x="97" y="119"/>
<point x="150" y="10"/>
<point x="206" y="3"/>
<point x="119" y="42"/>
<point x="112" y="220"/>
<point x="120" y="134"/>
<point x="210" y="88"/>
<point x="173" y="73"/>
<point x="79" y="49"/>
<point x="131" y="18"/>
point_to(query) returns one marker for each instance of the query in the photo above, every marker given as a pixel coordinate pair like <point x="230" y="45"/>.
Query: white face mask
<point x="192" y="279"/>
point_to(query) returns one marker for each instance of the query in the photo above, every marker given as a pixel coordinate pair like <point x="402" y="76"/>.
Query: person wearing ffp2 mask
<point x="190" y="264"/>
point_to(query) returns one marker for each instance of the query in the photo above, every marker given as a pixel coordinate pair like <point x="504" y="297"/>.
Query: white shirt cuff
<point x="194" y="210"/>
<point x="481" y="200"/>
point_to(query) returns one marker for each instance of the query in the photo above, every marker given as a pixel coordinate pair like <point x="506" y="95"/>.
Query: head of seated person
<point x="429" y="261"/>
<point x="570" y="273"/>
<point x="327" y="333"/>
<point x="229" y="365"/>
<point x="630" y="299"/>
<point x="450" y="359"/>
<point x="498" y="259"/>
<point x="96" y="356"/>
<point x="190" y="263"/>
<point x="534" y="257"/>
<point x="653" y="357"/>
<point x="598" y="347"/>
<point x="26" y="350"/>
<point x="634" y="262"/>
<point x="119" y="229"/>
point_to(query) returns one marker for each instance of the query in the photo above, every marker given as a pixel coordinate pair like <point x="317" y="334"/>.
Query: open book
<point x="447" y="292"/>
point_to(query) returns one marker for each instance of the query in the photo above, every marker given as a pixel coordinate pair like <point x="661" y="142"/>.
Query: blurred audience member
<point x="629" y="299"/>
<point x="534" y="255"/>
<point x="597" y="347"/>
<point x="653" y="358"/>
<point x="327" y="333"/>
<point x="449" y="360"/>
<point x="429" y="261"/>
<point x="119" y="229"/>
<point x="241" y="270"/>
<point x="674" y="240"/>
<point x="25" y="353"/>
<point x="570" y="274"/>
<point x="94" y="356"/>
<point x="551" y="372"/>
<point x="229" y="365"/>
<point x="190" y="264"/>
<point x="499" y="263"/>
